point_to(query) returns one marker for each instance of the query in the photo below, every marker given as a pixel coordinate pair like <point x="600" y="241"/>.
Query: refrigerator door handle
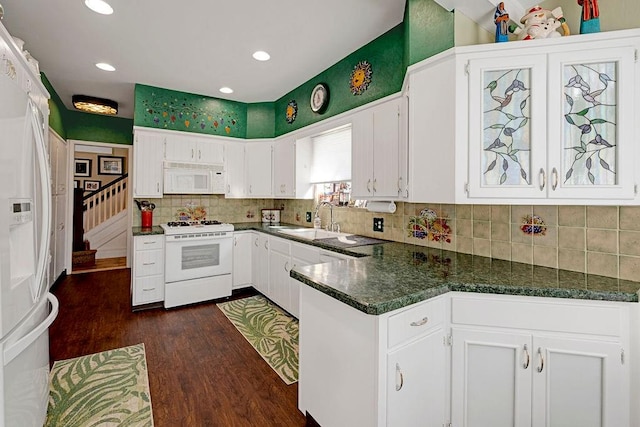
<point x="19" y="346"/>
<point x="45" y="185"/>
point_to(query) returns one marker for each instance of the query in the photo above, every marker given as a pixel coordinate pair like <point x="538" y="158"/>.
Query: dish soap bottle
<point x="317" y="222"/>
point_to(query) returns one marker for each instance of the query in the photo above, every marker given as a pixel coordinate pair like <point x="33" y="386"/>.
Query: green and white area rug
<point x="102" y="389"/>
<point x="272" y="332"/>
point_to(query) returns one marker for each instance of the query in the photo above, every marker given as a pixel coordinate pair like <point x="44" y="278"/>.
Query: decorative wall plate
<point x="319" y="98"/>
<point x="360" y="77"/>
<point x="292" y="111"/>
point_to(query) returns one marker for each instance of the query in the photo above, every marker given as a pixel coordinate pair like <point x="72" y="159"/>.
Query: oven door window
<point x="200" y="256"/>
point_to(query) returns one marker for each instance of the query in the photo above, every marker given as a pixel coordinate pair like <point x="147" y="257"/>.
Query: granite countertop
<point x="388" y="276"/>
<point x="146" y="231"/>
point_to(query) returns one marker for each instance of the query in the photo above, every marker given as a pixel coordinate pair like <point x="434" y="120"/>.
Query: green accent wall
<point x="57" y="110"/>
<point x="169" y="109"/>
<point x="429" y="30"/>
<point x="260" y="120"/>
<point x="95" y="127"/>
<point x="385" y="54"/>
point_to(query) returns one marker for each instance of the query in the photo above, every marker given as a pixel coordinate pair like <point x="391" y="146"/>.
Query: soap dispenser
<point x="317" y="222"/>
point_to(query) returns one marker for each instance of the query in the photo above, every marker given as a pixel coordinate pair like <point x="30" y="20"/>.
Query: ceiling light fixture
<point x="99" y="6"/>
<point x="226" y="90"/>
<point x="105" y="67"/>
<point x="261" y="55"/>
<point x="91" y="104"/>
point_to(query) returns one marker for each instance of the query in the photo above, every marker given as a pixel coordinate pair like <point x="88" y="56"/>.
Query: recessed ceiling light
<point x="226" y="90"/>
<point x="99" y="6"/>
<point x="105" y="67"/>
<point x="261" y="55"/>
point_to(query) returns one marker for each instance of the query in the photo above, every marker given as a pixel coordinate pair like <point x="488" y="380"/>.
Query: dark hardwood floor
<point x="202" y="372"/>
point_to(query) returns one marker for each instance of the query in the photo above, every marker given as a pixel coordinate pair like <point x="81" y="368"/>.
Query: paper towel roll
<point x="386" y="207"/>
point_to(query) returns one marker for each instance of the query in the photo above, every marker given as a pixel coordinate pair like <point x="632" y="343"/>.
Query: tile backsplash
<point x="600" y="240"/>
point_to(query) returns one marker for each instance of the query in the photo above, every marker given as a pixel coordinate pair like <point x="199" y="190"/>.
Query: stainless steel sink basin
<point x="315" y="234"/>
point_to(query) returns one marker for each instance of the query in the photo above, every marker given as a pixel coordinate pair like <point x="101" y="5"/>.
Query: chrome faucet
<point x="332" y="226"/>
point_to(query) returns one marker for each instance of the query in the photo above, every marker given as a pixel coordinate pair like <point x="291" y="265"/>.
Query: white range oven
<point x="198" y="261"/>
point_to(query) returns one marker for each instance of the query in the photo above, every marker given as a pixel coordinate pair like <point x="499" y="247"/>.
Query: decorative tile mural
<point x="429" y="225"/>
<point x="534" y="225"/>
<point x="168" y="109"/>
<point x="191" y="212"/>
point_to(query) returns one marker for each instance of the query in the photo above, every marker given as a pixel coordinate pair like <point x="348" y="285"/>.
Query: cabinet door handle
<point x="256" y="242"/>
<point x="158" y="187"/>
<point x="541" y="365"/>
<point x="199" y="154"/>
<point x="266" y="244"/>
<point x="148" y="263"/>
<point x="192" y="154"/>
<point x="399" y="186"/>
<point x="250" y="189"/>
<point x="149" y="243"/>
<point x="527" y="357"/>
<point x="399" y="378"/>
<point x="554" y="173"/>
<point x="543" y="179"/>
<point x="235" y="241"/>
<point x="228" y="188"/>
<point x="286" y="264"/>
<point x="369" y="186"/>
<point x="148" y="289"/>
<point x="374" y="184"/>
<point x="420" y="322"/>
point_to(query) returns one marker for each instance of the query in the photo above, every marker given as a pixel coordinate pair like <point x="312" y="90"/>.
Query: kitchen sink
<point x="315" y="234"/>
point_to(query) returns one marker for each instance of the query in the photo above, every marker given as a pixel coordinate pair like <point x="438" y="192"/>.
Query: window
<point x="331" y="156"/>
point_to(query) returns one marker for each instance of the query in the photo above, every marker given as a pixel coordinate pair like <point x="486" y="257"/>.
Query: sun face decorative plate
<point x="292" y="111"/>
<point x="360" y="77"/>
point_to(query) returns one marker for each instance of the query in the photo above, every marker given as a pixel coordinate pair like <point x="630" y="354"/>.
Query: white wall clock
<point x="319" y="98"/>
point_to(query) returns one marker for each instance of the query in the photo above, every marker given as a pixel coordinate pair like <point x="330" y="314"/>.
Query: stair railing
<point x="104" y="203"/>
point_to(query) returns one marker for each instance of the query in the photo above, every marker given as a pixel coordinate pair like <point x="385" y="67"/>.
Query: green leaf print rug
<point x="110" y="388"/>
<point x="272" y="332"/>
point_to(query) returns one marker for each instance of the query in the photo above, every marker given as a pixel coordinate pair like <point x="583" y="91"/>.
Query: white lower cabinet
<point x="147" y="275"/>
<point x="261" y="263"/>
<point x="279" y="268"/>
<point x="551" y="372"/>
<point x="242" y="257"/>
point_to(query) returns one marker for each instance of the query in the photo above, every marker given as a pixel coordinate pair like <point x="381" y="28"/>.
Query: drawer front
<point x="148" y="263"/>
<point x="148" y="289"/>
<point x="583" y="317"/>
<point x="279" y="245"/>
<point x="415" y="321"/>
<point x="143" y="243"/>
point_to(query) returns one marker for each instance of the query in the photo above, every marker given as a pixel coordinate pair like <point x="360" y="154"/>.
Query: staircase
<point x="105" y="219"/>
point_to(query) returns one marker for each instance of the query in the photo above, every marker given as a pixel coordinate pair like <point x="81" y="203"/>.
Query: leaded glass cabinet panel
<point x="507" y="122"/>
<point x="590" y="123"/>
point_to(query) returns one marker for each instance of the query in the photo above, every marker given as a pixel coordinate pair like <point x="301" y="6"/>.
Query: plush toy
<point x="501" y="19"/>
<point x="590" y="16"/>
<point x="542" y="23"/>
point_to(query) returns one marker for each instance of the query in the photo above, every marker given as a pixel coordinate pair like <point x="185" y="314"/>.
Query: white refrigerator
<point x="27" y="309"/>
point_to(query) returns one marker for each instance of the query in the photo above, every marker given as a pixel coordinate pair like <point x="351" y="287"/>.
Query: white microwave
<point x="193" y="178"/>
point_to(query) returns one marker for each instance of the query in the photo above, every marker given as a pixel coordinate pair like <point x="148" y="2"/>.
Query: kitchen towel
<point x="385" y="207"/>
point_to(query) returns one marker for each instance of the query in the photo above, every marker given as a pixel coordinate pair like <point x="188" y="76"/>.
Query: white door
<point x="261" y="277"/>
<point x="362" y="155"/>
<point x="416" y="383"/>
<point x="258" y="164"/>
<point x="242" y="248"/>
<point x="60" y="232"/>
<point x="507" y="127"/>
<point x="490" y="379"/>
<point x="284" y="168"/>
<point x="591" y="122"/>
<point x="579" y="383"/>
<point x="211" y="152"/>
<point x="179" y="148"/>
<point x="234" y="169"/>
<point x="279" y="268"/>
<point x="147" y="170"/>
<point x="386" y="138"/>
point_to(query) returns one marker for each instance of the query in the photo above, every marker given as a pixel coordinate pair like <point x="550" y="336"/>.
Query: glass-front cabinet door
<point x="590" y="136"/>
<point x="507" y="122"/>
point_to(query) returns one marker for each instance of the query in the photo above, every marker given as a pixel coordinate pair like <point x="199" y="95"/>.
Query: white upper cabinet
<point x="377" y="136"/>
<point x="191" y="148"/>
<point x="148" y="160"/>
<point x="234" y="169"/>
<point x="544" y="122"/>
<point x="553" y="124"/>
<point x="284" y="166"/>
<point x="258" y="164"/>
